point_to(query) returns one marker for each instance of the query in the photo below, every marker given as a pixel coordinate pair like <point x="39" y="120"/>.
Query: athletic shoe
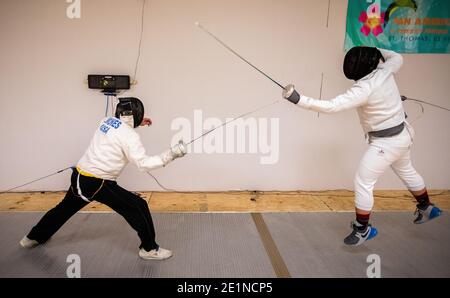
<point x="28" y="243"/>
<point x="427" y="214"/>
<point x="358" y="236"/>
<point x="155" y="254"/>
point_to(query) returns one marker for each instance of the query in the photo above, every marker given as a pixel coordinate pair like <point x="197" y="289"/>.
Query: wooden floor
<point x="295" y="201"/>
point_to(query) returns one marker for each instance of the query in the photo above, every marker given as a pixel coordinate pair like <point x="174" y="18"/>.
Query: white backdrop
<point x="49" y="114"/>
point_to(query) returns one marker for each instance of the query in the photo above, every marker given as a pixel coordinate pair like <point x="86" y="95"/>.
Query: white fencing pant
<point x="382" y="153"/>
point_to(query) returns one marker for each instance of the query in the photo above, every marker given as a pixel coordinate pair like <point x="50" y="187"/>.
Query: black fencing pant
<point x="132" y="207"/>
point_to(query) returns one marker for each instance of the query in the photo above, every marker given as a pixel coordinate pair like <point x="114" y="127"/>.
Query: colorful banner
<point x="404" y="26"/>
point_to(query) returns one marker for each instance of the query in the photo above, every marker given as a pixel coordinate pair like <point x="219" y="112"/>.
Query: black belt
<point x="388" y="132"/>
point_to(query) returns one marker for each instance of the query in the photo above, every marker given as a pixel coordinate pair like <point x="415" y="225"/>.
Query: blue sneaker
<point x="359" y="236"/>
<point x="427" y="214"/>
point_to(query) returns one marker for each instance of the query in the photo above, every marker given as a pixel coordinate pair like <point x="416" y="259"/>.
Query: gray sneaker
<point x="427" y="214"/>
<point x="358" y="237"/>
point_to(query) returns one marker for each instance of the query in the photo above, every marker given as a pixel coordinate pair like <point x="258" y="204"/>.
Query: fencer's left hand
<point x="146" y="122"/>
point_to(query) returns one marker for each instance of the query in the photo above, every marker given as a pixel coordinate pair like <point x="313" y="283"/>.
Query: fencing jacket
<point x="114" y="145"/>
<point x="375" y="96"/>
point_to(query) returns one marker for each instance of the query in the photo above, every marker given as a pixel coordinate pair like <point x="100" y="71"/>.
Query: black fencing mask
<point x="130" y="110"/>
<point x="360" y="61"/>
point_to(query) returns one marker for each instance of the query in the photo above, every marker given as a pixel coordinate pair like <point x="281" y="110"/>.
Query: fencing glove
<point x="179" y="150"/>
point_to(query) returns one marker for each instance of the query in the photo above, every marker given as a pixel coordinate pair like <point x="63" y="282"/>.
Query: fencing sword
<point x="208" y="132"/>
<point x="289" y="91"/>
<point x="232" y="120"/>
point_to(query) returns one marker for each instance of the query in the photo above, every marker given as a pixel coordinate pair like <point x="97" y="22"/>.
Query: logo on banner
<point x="375" y="21"/>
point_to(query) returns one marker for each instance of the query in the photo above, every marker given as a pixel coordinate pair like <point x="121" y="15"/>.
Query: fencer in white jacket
<point x="378" y="102"/>
<point x="115" y="143"/>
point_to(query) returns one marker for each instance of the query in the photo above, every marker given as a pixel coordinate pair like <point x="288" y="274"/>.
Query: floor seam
<point x="278" y="264"/>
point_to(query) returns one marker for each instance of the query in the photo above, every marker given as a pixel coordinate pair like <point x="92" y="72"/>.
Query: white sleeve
<point x="135" y="152"/>
<point x="356" y="96"/>
<point x="393" y="61"/>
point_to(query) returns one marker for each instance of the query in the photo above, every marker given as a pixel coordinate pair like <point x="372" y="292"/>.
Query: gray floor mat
<point x="228" y="245"/>
<point x="204" y="245"/>
<point x="311" y="245"/>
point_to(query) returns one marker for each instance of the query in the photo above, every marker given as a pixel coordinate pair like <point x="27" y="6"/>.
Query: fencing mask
<point x="130" y="110"/>
<point x="360" y="61"/>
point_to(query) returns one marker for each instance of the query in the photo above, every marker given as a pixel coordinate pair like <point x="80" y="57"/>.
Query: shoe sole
<point x="28" y="246"/>
<point x="372" y="234"/>
<point x="153" y="258"/>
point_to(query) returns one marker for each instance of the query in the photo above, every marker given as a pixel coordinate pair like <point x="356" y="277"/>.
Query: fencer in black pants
<point x="115" y="143"/>
<point x="132" y="207"/>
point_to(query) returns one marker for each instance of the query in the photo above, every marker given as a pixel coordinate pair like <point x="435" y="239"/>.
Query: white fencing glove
<point x="179" y="150"/>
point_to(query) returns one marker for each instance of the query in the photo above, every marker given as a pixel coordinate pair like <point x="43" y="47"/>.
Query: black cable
<point x="140" y="41"/>
<point x="112" y="106"/>
<point x="320" y="95"/>
<point x="424" y="102"/>
<point x="160" y="185"/>
<point x="328" y="12"/>
<point x="107" y="104"/>
<point x="60" y="171"/>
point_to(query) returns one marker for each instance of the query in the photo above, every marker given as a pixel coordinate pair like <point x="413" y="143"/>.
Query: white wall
<point x="49" y="114"/>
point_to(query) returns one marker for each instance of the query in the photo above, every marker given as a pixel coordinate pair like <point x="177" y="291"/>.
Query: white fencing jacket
<point x="375" y="96"/>
<point x="114" y="145"/>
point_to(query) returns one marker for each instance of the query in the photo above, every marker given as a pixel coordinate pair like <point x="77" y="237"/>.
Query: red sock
<point x="423" y="200"/>
<point x="363" y="219"/>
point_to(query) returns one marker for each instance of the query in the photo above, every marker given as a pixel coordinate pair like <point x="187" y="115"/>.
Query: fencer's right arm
<point x="356" y="96"/>
<point x="135" y="152"/>
<point x="393" y="61"/>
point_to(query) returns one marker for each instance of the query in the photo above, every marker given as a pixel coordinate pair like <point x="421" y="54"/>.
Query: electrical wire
<point x="328" y="12"/>
<point x="320" y="95"/>
<point x="161" y="185"/>
<point x="112" y="106"/>
<point x="35" y="180"/>
<point x="140" y="41"/>
<point x="107" y="104"/>
<point x="425" y="102"/>
<point x="422" y="109"/>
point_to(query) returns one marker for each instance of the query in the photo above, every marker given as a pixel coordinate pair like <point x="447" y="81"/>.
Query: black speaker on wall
<point x="109" y="83"/>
